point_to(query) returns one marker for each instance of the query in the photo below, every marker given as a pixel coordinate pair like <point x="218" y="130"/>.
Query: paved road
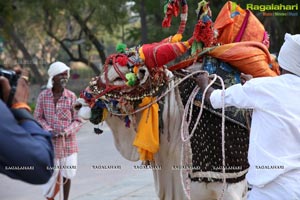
<point x="91" y="183"/>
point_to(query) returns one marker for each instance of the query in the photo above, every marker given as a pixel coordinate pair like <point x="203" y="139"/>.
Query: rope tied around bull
<point x="186" y="136"/>
<point x="158" y="98"/>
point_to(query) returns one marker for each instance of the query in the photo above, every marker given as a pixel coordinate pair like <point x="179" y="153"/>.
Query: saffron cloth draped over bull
<point x="143" y="99"/>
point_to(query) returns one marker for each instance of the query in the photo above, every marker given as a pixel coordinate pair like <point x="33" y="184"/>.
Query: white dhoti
<point x="286" y="186"/>
<point x="63" y="167"/>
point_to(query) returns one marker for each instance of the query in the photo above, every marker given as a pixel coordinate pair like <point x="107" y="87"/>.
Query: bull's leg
<point x="213" y="191"/>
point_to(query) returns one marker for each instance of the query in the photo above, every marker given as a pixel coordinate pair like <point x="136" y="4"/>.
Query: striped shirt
<point x="59" y="118"/>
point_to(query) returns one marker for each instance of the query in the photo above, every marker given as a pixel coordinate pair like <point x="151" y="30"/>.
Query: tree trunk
<point x="20" y="45"/>
<point x="144" y="27"/>
<point x="92" y="37"/>
<point x="71" y="56"/>
<point x="33" y="67"/>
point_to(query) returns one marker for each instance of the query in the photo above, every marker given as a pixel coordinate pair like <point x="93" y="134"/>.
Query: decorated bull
<point x="157" y="115"/>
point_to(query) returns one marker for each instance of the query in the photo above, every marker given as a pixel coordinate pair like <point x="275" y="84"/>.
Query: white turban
<point x="289" y="54"/>
<point x="55" y="69"/>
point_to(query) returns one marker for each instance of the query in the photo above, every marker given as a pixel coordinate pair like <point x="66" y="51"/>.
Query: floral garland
<point x="204" y="33"/>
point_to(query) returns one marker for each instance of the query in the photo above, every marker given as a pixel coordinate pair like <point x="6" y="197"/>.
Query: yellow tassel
<point x="104" y="115"/>
<point x="142" y="56"/>
<point x="176" y="38"/>
<point x="135" y="69"/>
<point x="187" y="45"/>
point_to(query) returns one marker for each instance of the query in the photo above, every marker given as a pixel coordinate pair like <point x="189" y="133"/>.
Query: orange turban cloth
<point x="255" y="59"/>
<point x="235" y="24"/>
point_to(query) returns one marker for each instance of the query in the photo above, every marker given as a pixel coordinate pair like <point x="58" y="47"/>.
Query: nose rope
<point x="160" y="97"/>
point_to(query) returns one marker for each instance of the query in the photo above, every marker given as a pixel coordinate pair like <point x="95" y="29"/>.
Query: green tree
<point x="79" y="27"/>
<point x="151" y="13"/>
<point x="86" y="23"/>
<point x="10" y="25"/>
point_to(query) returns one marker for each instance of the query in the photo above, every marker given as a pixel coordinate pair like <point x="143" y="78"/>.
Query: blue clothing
<point x="26" y="151"/>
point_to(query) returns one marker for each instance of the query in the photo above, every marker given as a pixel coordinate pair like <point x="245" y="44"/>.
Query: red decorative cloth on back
<point x="159" y="54"/>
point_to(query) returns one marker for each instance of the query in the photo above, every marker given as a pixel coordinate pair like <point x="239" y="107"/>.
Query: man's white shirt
<point x="274" y="147"/>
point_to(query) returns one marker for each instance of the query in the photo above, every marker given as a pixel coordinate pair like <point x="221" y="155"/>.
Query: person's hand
<point x="5" y="88"/>
<point x="245" y="78"/>
<point x="58" y="134"/>
<point x="54" y="133"/>
<point x="22" y="92"/>
<point x="202" y="80"/>
<point x="63" y="134"/>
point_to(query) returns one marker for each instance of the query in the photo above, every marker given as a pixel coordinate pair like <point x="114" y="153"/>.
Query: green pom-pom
<point x="121" y="48"/>
<point x="166" y="3"/>
<point x="131" y="79"/>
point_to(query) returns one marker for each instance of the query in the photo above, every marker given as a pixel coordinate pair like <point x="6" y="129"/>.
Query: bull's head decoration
<point x="137" y="72"/>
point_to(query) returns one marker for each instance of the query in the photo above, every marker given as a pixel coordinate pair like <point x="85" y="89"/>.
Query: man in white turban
<point x="54" y="111"/>
<point x="274" y="149"/>
<point x="289" y="55"/>
<point x="55" y="69"/>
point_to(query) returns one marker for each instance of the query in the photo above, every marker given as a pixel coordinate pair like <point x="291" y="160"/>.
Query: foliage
<point x="276" y="26"/>
<point x="36" y="32"/>
<point x="65" y="30"/>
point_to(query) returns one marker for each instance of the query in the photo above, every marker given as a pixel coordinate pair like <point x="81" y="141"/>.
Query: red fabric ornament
<point x="172" y="10"/>
<point x="167" y="21"/>
<point x="159" y="54"/>
<point x="122" y="60"/>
